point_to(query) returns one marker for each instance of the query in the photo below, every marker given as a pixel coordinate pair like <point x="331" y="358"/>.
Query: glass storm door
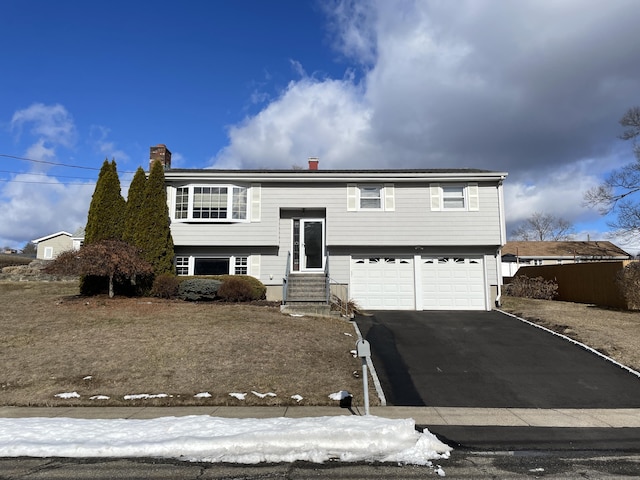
<point x="308" y="244"/>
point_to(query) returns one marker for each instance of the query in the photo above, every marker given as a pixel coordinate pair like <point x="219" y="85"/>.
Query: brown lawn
<point x="54" y="341"/>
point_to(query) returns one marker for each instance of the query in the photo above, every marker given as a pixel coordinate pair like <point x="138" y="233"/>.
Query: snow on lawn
<point x="211" y="439"/>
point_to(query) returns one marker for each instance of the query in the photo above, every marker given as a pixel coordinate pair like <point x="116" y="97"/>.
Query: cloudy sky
<point x="534" y="88"/>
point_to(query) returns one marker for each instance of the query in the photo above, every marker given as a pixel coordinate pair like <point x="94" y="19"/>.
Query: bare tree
<point x="543" y="227"/>
<point x="113" y="259"/>
<point x="615" y="193"/>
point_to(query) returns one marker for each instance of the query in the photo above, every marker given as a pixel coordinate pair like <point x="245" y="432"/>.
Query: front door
<point x="308" y="244"/>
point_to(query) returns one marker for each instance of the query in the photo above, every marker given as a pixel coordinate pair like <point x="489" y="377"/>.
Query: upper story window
<point x="453" y="197"/>
<point x="211" y="203"/>
<point x="461" y="197"/>
<point x="371" y="197"/>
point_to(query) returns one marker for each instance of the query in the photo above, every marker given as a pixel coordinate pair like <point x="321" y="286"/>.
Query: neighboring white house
<point x="50" y="246"/>
<point x="523" y="253"/>
<point x="392" y="239"/>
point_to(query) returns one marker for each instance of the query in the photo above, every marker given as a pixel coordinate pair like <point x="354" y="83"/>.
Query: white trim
<point x="256" y="198"/>
<point x="229" y="207"/>
<point x="254" y="265"/>
<point x="352" y="197"/>
<point x="303" y="264"/>
<point x="389" y="197"/>
<point x="436" y="195"/>
<point x="57" y="234"/>
<point x="473" y="195"/>
<point x="48" y="253"/>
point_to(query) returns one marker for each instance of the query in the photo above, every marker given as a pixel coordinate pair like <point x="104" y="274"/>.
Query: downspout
<point x="503" y="234"/>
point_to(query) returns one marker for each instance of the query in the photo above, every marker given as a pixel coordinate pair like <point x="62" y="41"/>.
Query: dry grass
<point x="52" y="339"/>
<point x="612" y="332"/>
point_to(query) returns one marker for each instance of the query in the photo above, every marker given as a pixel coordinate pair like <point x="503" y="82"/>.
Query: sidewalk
<point x="429" y="416"/>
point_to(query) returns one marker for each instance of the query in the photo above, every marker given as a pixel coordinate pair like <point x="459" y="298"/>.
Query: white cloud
<point x="327" y="119"/>
<point x="534" y="88"/>
<point x="36" y="203"/>
<point x="52" y="123"/>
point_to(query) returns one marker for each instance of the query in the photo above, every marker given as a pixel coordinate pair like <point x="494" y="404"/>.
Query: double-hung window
<point x="370" y="197"/>
<point x="454" y="196"/>
<point x="211" y="203"/>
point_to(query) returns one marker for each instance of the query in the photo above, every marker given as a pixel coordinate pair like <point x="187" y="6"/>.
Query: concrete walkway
<point x="449" y="416"/>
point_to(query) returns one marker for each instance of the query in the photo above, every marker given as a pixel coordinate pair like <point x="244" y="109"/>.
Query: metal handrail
<point x="327" y="279"/>
<point x="285" y="279"/>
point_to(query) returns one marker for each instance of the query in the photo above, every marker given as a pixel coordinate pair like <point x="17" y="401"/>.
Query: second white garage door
<point x="453" y="283"/>
<point x="383" y="283"/>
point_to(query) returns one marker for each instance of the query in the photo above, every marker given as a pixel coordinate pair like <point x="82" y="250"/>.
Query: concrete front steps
<point x="307" y="295"/>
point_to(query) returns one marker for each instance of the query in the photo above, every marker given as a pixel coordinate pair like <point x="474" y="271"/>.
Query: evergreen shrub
<point x="198" y="289"/>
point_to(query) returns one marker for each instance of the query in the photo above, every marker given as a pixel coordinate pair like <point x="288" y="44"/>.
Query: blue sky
<point x="534" y="88"/>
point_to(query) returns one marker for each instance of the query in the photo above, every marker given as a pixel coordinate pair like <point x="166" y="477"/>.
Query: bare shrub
<point x="165" y="285"/>
<point x="628" y="280"/>
<point x="538" y="287"/>
<point x="236" y="289"/>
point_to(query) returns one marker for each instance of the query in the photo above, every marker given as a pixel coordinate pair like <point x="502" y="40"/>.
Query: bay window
<point x="211" y="203"/>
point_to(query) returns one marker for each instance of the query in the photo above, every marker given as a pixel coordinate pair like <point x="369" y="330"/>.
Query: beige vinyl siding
<point x="58" y="244"/>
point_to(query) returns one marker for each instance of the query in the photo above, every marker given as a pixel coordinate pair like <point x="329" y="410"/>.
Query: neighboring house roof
<point x="567" y="249"/>
<point x="79" y="233"/>
<point x="53" y="235"/>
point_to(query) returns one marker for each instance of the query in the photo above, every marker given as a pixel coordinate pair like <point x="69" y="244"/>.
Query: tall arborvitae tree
<point x="105" y="220"/>
<point x="153" y="232"/>
<point x="135" y="203"/>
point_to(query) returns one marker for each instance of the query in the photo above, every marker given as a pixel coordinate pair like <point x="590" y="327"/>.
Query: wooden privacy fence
<point x="593" y="283"/>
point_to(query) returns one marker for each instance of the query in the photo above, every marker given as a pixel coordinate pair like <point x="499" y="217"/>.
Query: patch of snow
<point x="296" y="315"/>
<point x="68" y="395"/>
<point x="348" y="334"/>
<point x="145" y="396"/>
<point x="202" y="395"/>
<point x="536" y="470"/>
<point x="239" y="396"/>
<point x="297" y="398"/>
<point x="88" y="377"/>
<point x="340" y="395"/>
<point x="354" y="353"/>
<point x="440" y="471"/>
<point x="210" y="439"/>
<point x="262" y="395"/>
<point x="99" y="397"/>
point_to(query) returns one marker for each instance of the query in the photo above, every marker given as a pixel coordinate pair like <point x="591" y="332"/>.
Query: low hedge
<point x="257" y="289"/>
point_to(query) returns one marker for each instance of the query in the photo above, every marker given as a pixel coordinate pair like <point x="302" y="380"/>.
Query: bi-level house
<point x="387" y="239"/>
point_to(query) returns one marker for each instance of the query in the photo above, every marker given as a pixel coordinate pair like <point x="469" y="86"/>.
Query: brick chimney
<point x="160" y="153"/>
<point x="313" y="163"/>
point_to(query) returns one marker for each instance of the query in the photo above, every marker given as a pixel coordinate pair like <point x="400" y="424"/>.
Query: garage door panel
<point x="383" y="283"/>
<point x="453" y="283"/>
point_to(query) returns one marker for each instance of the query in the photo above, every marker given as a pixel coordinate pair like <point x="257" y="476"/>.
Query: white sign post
<point x="364" y="350"/>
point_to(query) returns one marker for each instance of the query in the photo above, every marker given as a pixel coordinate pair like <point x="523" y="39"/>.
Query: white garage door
<point x="383" y="283"/>
<point x="453" y="283"/>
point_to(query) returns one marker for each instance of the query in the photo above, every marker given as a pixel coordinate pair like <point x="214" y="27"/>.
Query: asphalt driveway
<point x="488" y="359"/>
